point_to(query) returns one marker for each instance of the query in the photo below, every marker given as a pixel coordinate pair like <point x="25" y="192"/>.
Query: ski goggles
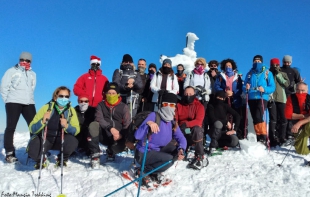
<point x="61" y="96"/>
<point x="165" y="104"/>
<point x="24" y="60"/>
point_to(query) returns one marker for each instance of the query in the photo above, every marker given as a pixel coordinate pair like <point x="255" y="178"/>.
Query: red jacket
<point x="91" y="84"/>
<point x="192" y="114"/>
<point x="289" y="106"/>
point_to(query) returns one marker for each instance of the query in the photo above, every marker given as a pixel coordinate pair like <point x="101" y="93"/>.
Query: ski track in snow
<point x="235" y="173"/>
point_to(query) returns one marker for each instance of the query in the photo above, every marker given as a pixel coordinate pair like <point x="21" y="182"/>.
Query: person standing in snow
<point x="222" y="132"/>
<point x="129" y="82"/>
<point x="259" y="84"/>
<point x="164" y="81"/>
<point x="56" y="117"/>
<point x="110" y="126"/>
<point x="276" y="105"/>
<point x="297" y="109"/>
<point x="144" y="78"/>
<point x="189" y="116"/>
<point x="181" y="77"/>
<point x="91" y="83"/>
<point x="213" y="73"/>
<point x="160" y="149"/>
<point x="86" y="115"/>
<point x="17" y="91"/>
<point x="147" y="95"/>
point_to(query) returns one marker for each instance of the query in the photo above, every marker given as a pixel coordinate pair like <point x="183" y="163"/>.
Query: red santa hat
<point x="95" y="59"/>
<point x="83" y="95"/>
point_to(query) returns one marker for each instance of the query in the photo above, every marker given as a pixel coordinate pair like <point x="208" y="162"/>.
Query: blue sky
<point x="62" y="35"/>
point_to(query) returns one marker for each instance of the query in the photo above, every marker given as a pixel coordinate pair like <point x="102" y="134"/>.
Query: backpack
<point x="206" y="77"/>
<point x="136" y="123"/>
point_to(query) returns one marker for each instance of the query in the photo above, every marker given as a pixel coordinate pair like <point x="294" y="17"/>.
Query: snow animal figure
<point x="189" y="55"/>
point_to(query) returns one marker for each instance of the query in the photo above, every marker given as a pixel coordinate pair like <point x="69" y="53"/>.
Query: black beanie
<point x="112" y="86"/>
<point x="152" y="65"/>
<point x="258" y="57"/>
<point x="221" y="94"/>
<point x="169" y="97"/>
<point x="127" y="58"/>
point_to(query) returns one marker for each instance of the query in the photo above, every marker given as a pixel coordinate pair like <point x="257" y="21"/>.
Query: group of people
<point x="184" y="108"/>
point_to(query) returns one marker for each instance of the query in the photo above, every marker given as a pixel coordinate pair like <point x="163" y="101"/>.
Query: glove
<point x="161" y="92"/>
<point x="183" y="127"/>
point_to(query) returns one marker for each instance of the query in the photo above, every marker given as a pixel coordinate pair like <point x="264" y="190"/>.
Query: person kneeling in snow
<point x="56" y="117"/>
<point x="162" y="148"/>
<point x="220" y="134"/>
<point x="110" y="127"/>
<point x="297" y="110"/>
<point x="189" y="115"/>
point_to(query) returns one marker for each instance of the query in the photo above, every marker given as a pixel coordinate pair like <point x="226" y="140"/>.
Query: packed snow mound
<point x="253" y="149"/>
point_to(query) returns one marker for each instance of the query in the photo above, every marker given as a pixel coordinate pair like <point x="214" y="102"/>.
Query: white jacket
<point x="189" y="81"/>
<point x="172" y="85"/>
<point x="17" y="85"/>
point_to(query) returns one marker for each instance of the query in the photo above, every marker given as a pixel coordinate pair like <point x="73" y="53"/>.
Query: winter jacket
<point x="281" y="82"/>
<point x="191" y="114"/>
<point x="144" y="77"/>
<point x="91" y="84"/>
<point x="189" y="81"/>
<point x="264" y="79"/>
<point x="160" y="139"/>
<point x="147" y="93"/>
<point x="54" y="127"/>
<point x="289" y="110"/>
<point x="121" y="78"/>
<point x="220" y="84"/>
<point x="172" y="85"/>
<point x="17" y="85"/>
<point x="212" y="80"/>
<point x="219" y="111"/>
<point x="181" y="79"/>
<point x="294" y="78"/>
<point x="113" y="116"/>
<point x="85" y="118"/>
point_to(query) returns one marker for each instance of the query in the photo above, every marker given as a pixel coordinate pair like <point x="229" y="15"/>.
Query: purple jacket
<point x="160" y="139"/>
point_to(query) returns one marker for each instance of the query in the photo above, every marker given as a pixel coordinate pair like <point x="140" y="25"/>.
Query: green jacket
<point x="282" y="81"/>
<point x="36" y="125"/>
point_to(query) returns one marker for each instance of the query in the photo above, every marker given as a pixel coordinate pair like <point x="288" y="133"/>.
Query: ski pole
<point x="138" y="179"/>
<point x="143" y="163"/>
<point x="62" y="159"/>
<point x="130" y="105"/>
<point x="42" y="153"/>
<point x="263" y="107"/>
<point x="246" y="115"/>
<point x="288" y="150"/>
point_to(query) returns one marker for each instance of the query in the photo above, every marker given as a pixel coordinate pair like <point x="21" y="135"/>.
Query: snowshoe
<point x="95" y="163"/>
<point x="196" y="163"/>
<point x="11" y="158"/>
<point x="110" y="156"/>
<point x="58" y="163"/>
<point x="288" y="142"/>
<point x="45" y="164"/>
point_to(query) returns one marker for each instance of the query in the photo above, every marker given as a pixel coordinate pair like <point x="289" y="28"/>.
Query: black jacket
<point x="294" y="78"/>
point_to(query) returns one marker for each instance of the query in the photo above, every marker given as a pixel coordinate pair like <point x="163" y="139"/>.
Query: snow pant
<point x="51" y="143"/>
<point x="301" y="140"/>
<point x="99" y="135"/>
<point x="205" y="122"/>
<point x="219" y="138"/>
<point x="195" y="138"/>
<point x="277" y="121"/>
<point x="243" y="121"/>
<point x="257" y="113"/>
<point x="13" y="111"/>
<point x="82" y="138"/>
<point x="155" y="159"/>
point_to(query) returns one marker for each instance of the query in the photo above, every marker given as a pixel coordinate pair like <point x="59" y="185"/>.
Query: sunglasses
<point x="83" y="101"/>
<point x="24" y="60"/>
<point x="61" y="96"/>
<point x="165" y="104"/>
<point x="95" y="64"/>
<point x="199" y="64"/>
<point x="213" y="66"/>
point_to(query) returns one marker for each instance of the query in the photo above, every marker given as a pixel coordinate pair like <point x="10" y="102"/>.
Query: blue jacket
<point x="17" y="85"/>
<point x="160" y="139"/>
<point x="220" y="84"/>
<point x="264" y="79"/>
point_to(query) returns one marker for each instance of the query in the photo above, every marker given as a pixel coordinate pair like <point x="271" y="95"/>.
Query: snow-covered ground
<point x="235" y="173"/>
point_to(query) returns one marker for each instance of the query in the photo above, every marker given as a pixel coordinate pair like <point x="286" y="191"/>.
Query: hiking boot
<point x="147" y="182"/>
<point x="110" y="155"/>
<point x="58" y="163"/>
<point x="10" y="157"/>
<point x="45" y="163"/>
<point x="95" y="163"/>
<point x="197" y="162"/>
<point x="157" y="177"/>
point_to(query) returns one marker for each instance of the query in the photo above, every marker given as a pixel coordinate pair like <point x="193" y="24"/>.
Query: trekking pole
<point x="42" y="153"/>
<point x="130" y="105"/>
<point x="138" y="179"/>
<point x="62" y="160"/>
<point x="246" y="114"/>
<point x="143" y="163"/>
<point x="263" y="107"/>
<point x="280" y="165"/>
